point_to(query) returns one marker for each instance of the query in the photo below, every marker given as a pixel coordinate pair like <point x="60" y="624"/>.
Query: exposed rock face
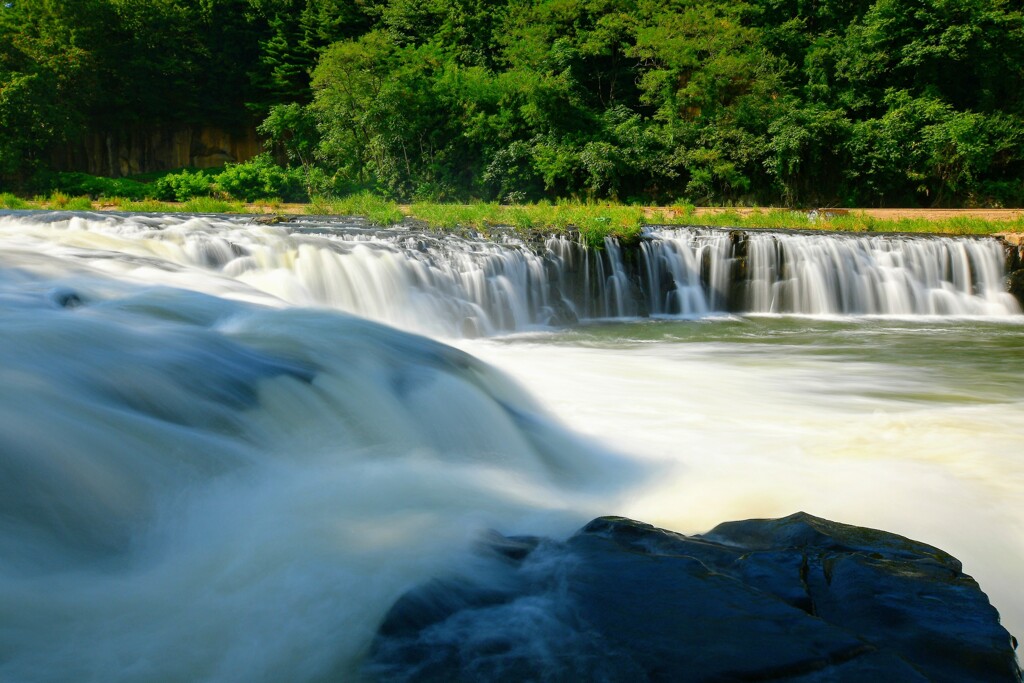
<point x="794" y="599"/>
<point x="1014" y="264"/>
<point x="1015" y="285"/>
<point x="141" y="150"/>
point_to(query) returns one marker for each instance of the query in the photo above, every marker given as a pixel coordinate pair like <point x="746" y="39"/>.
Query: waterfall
<point x="841" y="275"/>
<point x="450" y="286"/>
<point x="691" y="271"/>
<point x="687" y="271"/>
<point x="441" y="285"/>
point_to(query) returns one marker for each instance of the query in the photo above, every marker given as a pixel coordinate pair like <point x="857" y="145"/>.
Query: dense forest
<point x="795" y="102"/>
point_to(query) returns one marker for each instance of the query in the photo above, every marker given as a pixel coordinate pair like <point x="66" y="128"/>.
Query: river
<point x="216" y="466"/>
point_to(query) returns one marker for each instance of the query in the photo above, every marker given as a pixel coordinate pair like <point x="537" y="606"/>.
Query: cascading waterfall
<point x="591" y="283"/>
<point x="840" y="275"/>
<point x="457" y="287"/>
<point x="693" y="271"/>
<point x="438" y="285"/>
<point x="618" y="302"/>
<point x="444" y="285"/>
<point x="687" y="272"/>
<point x="451" y="287"/>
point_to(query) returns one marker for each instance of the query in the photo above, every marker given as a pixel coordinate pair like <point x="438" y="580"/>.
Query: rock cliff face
<point x="1015" y="264"/>
<point x="793" y="599"/>
<point x="140" y="150"/>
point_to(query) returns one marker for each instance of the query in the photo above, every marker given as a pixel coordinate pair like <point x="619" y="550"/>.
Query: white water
<point x="193" y="489"/>
<point x="413" y="281"/>
<point x="826" y="274"/>
<point x="200" y="481"/>
<point x="753" y="429"/>
<point x="674" y="262"/>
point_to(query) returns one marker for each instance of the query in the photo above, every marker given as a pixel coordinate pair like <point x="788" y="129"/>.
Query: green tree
<point x="46" y="76"/>
<point x="807" y="153"/>
<point x="969" y="53"/>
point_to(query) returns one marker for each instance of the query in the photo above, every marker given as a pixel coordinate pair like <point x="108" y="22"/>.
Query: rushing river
<point x="210" y="470"/>
<point x="911" y="426"/>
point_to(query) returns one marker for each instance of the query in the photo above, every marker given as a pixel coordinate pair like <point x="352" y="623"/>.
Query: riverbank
<point x="594" y="221"/>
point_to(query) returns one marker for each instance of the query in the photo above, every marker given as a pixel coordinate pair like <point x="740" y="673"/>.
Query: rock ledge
<point x="797" y="599"/>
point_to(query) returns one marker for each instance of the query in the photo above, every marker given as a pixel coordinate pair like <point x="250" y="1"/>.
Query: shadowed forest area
<point x="781" y="102"/>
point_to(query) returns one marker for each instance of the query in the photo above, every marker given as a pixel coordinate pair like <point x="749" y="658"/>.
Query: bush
<point x="83" y="184"/>
<point x="10" y="201"/>
<point x="261" y="178"/>
<point x="83" y="203"/>
<point x="996" y="193"/>
<point x="183" y="186"/>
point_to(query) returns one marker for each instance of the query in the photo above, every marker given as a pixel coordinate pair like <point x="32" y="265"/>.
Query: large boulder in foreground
<point x="798" y="599"/>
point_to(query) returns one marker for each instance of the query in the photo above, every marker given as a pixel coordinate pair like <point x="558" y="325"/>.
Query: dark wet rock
<point x="269" y="219"/>
<point x="1015" y="285"/>
<point x="798" y="599"/>
<point x="66" y="298"/>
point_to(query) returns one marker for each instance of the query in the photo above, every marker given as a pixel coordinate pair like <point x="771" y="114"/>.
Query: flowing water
<point x="212" y="470"/>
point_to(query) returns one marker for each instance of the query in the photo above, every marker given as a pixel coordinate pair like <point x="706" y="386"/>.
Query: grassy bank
<point x="593" y="221"/>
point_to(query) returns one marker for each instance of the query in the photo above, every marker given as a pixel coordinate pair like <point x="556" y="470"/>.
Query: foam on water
<point x="209" y="471"/>
<point x="918" y="430"/>
<point x="194" y="488"/>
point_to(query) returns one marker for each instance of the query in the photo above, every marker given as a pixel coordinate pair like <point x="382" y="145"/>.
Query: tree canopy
<point x="797" y="102"/>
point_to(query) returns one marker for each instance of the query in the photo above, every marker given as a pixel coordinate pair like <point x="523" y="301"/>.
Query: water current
<point x="216" y="462"/>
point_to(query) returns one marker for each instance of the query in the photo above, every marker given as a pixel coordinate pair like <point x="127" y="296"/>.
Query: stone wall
<point x="130" y="151"/>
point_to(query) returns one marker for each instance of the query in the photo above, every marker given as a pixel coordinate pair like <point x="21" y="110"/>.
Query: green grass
<point x="451" y="216"/>
<point x="595" y="221"/>
<point x="375" y="209"/>
<point x="772" y="219"/>
<point x="145" y="206"/>
<point x="195" y="205"/>
<point x="78" y="204"/>
<point x="211" y="205"/>
<point x="591" y="220"/>
<point x="10" y="201"/>
<point x="60" y="201"/>
<point x="851" y="222"/>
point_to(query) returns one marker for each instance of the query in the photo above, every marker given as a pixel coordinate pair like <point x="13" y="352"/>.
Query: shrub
<point x="183" y="186"/>
<point x="10" y="201"/>
<point x="57" y="200"/>
<point x="79" y="204"/>
<point x="83" y="184"/>
<point x="261" y="178"/>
